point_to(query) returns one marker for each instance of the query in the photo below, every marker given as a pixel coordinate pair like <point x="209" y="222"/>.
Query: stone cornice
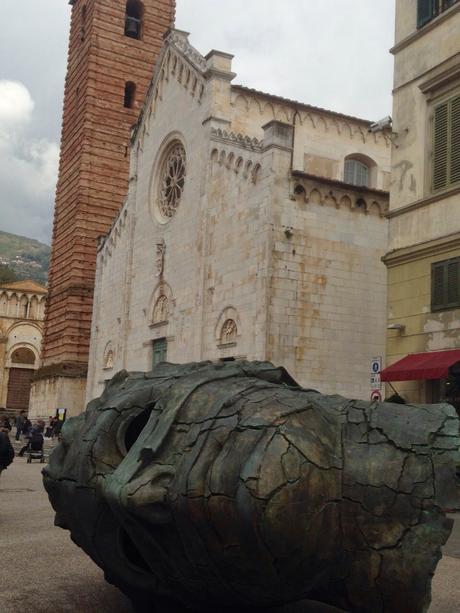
<point x="419" y="204"/>
<point x="442" y="75"/>
<point x="422" y="250"/>
<point x="180" y="40"/>
<point x="365" y="123"/>
<point x="68" y="370"/>
<point x="321" y="190"/>
<point x="236" y="139"/>
<point x="431" y="25"/>
<point x="178" y="59"/>
<point x="341" y="184"/>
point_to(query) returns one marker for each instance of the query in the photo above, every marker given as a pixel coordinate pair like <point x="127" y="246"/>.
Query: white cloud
<point x="330" y="53"/>
<point x="28" y="167"/>
<point x="16" y="104"/>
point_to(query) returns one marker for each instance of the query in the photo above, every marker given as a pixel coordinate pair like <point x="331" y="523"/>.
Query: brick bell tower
<point x="113" y="47"/>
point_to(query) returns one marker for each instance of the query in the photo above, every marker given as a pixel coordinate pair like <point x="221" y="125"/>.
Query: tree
<point x="6" y="274"/>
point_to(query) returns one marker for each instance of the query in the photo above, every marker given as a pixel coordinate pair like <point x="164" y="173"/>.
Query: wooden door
<point x="19" y="383"/>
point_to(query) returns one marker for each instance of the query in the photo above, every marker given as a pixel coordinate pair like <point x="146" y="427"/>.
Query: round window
<point x="172" y="181"/>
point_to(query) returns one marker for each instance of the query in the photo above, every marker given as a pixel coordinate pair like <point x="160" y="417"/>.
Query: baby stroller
<point x="35" y="448"/>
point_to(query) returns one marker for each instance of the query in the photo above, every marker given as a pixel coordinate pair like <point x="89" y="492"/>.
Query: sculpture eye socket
<point x="132" y="431"/>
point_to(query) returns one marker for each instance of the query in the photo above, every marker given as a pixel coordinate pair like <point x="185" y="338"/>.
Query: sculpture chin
<point x="229" y="487"/>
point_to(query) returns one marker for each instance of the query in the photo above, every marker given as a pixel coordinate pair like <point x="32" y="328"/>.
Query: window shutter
<point x="437" y="286"/>
<point x="426" y="10"/>
<point x="455" y="141"/>
<point x="453" y="278"/>
<point x="440" y="146"/>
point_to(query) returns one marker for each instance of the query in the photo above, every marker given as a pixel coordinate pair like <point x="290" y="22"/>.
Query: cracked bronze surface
<point x="227" y="487"/>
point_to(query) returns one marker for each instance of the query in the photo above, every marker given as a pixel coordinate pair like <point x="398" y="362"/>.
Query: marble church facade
<point x="253" y="228"/>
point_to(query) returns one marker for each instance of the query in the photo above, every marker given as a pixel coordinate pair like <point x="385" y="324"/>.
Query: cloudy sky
<point x="332" y="53"/>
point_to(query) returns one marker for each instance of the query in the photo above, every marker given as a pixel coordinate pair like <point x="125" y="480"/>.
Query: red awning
<point x="417" y="366"/>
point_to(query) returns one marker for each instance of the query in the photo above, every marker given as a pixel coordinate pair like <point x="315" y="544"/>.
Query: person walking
<point x="27" y="427"/>
<point x="57" y="427"/>
<point x="20" y="421"/>
<point x="49" y="428"/>
<point x="6" y="450"/>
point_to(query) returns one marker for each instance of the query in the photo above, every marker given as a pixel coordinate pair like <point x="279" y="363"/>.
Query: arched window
<point x="23" y="356"/>
<point x="133" y="19"/>
<point x="356" y="173"/>
<point x="130" y="95"/>
<point x="24" y="307"/>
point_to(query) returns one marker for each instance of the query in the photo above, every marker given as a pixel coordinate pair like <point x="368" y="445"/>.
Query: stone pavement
<point x="42" y="571"/>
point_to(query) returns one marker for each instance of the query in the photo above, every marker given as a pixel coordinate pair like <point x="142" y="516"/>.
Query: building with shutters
<point x="113" y="47"/>
<point x="254" y="228"/>
<point x="423" y="344"/>
<point x="22" y="311"/>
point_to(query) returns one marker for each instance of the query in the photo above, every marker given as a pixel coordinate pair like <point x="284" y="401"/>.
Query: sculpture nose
<point x="143" y="495"/>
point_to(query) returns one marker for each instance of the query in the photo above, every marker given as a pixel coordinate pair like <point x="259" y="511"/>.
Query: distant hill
<point x="23" y="258"/>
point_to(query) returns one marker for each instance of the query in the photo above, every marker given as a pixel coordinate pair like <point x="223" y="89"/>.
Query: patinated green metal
<point x="227" y="487"/>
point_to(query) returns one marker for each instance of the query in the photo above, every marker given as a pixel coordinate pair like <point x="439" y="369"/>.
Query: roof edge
<point x="303" y="105"/>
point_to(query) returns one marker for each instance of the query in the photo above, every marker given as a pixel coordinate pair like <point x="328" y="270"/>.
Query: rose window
<point x="172" y="181"/>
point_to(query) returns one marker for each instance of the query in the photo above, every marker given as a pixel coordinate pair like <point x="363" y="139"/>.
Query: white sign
<point x="376" y="383"/>
<point x="376" y="395"/>
<point x="376" y="366"/>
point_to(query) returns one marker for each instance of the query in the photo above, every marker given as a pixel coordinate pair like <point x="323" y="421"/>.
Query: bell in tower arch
<point x="133" y="18"/>
<point x="133" y="27"/>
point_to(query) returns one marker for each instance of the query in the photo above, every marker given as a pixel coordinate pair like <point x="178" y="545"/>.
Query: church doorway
<point x="19" y="383"/>
<point x="20" y="379"/>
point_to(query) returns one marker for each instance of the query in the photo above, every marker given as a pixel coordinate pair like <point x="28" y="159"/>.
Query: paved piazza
<point x="42" y="571"/>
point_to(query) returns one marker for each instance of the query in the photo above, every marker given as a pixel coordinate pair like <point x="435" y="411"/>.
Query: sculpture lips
<point x="229" y="487"/>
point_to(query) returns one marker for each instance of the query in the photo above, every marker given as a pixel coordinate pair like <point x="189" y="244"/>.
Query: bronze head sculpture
<point x="227" y="487"/>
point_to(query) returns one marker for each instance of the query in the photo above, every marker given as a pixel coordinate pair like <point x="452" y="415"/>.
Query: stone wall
<point x="251" y="248"/>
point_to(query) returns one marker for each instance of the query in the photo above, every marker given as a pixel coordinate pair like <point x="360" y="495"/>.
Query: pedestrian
<point x="27" y="427"/>
<point x="6" y="450"/>
<point x="20" y="420"/>
<point x="49" y="428"/>
<point x="57" y="427"/>
<point x="5" y="423"/>
<point x="35" y="439"/>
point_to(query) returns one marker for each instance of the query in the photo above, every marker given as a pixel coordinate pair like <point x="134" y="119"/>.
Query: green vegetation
<point x="23" y="258"/>
<point x="6" y="274"/>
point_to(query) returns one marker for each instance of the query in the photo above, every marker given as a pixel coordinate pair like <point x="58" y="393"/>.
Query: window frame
<point x="359" y="165"/>
<point x="159" y="347"/>
<point x="434" y="9"/>
<point x="445" y="304"/>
